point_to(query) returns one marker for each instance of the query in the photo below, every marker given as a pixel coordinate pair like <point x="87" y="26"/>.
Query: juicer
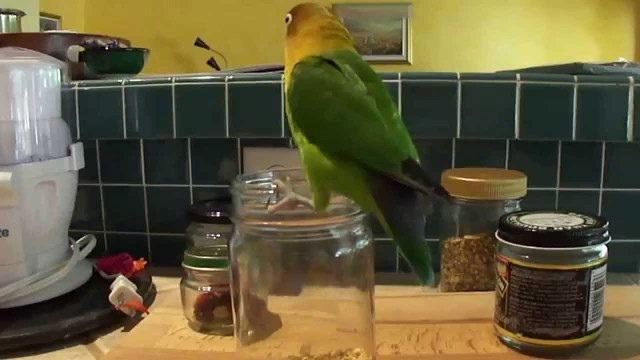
<point x="39" y="167"/>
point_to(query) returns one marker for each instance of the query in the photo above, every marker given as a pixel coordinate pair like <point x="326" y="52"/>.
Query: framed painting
<point x="380" y="31"/>
<point x="49" y="22"/>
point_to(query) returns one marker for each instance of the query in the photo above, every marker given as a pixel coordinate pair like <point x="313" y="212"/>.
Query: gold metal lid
<point x="485" y="183"/>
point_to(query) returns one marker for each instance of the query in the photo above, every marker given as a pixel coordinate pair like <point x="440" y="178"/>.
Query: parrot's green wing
<point x="341" y="106"/>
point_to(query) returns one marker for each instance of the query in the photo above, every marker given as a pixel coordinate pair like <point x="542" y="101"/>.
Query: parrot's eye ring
<point x="288" y="18"/>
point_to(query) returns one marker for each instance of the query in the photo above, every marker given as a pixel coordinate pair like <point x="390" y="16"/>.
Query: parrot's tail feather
<point x="415" y="172"/>
<point x="402" y="215"/>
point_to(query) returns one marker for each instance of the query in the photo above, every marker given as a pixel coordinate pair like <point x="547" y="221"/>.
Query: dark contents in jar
<point x="262" y="322"/>
<point x="214" y="306"/>
<point x="468" y="263"/>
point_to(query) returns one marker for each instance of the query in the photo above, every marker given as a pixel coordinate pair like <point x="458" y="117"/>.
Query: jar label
<point x="552" y="221"/>
<point x="549" y="305"/>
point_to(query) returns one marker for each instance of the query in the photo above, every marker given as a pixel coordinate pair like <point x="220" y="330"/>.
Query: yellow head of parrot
<point x="311" y="30"/>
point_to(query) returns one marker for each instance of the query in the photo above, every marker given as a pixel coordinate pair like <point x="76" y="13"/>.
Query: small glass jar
<point x="209" y="223"/>
<point x="303" y="282"/>
<point x="552" y="268"/>
<point x="467" y="249"/>
<point x="205" y="290"/>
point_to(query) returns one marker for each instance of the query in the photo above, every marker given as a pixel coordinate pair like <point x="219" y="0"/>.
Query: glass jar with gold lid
<point x="480" y="196"/>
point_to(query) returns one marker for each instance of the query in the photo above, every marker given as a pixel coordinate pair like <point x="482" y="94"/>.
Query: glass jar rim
<point x="253" y="192"/>
<point x="530" y="247"/>
<point x="206" y="257"/>
<point x="210" y="211"/>
<point x="484" y="201"/>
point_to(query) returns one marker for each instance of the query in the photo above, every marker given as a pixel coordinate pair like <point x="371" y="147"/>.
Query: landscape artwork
<point x="380" y="31"/>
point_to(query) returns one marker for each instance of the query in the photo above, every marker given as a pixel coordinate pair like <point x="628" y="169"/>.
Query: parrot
<point x="350" y="136"/>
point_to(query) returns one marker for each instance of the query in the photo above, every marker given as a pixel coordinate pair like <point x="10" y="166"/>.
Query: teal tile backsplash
<point x="100" y="112"/>
<point x="581" y="164"/>
<point x="149" y="111"/>
<point x="546" y="111"/>
<point x="480" y="153"/>
<point x="200" y="109"/>
<point x="160" y="155"/>
<point x="430" y="107"/>
<point x="120" y="162"/>
<point x="256" y="109"/>
<point x="487" y="109"/>
<point x="579" y="201"/>
<point x="154" y="146"/>
<point x="602" y="112"/>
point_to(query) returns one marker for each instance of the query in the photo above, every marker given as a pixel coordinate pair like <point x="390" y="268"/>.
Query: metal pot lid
<point x="16" y="12"/>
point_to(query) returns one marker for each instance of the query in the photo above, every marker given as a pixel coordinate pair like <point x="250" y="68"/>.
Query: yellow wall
<point x="448" y="35"/>
<point x="31" y="22"/>
<point x="71" y="11"/>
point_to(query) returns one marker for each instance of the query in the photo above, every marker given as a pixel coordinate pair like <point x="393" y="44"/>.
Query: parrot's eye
<point x="288" y="18"/>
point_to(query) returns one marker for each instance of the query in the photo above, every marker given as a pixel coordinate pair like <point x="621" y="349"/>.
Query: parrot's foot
<point x="291" y="200"/>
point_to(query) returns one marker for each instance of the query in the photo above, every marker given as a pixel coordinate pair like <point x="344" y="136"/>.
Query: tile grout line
<point x="226" y="105"/>
<point x="146" y="203"/>
<point x="453" y="152"/>
<point x="77" y="106"/>
<point x="574" y="116"/>
<point x="104" y="216"/>
<point x="604" y="151"/>
<point x="399" y="94"/>
<point x="536" y="188"/>
<point x="558" y="172"/>
<point x="282" y="109"/>
<point x="137" y="233"/>
<point x="605" y="190"/>
<point x="458" y="106"/>
<point x="506" y="154"/>
<point x="516" y="112"/>
<point x="190" y="169"/>
<point x="240" y="157"/>
<point x="124" y="111"/>
<point x="156" y="185"/>
<point x="445" y="80"/>
<point x="631" y="109"/>
<point x="179" y="84"/>
<point x="376" y="239"/>
<point x="173" y="107"/>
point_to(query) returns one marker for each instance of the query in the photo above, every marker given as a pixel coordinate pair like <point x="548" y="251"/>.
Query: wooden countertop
<point x="410" y="324"/>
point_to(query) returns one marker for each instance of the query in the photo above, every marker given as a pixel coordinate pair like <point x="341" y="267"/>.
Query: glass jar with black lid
<point x="551" y="279"/>
<point x="209" y="223"/>
<point x="205" y="290"/>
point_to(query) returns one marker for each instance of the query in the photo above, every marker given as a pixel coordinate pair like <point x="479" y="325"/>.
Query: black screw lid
<point x="553" y="229"/>
<point x="212" y="211"/>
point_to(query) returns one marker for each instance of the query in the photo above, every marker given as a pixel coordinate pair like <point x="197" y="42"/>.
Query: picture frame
<point x="380" y="31"/>
<point x="49" y="22"/>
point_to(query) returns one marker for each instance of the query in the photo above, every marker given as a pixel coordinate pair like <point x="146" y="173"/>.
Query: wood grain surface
<point x="410" y="324"/>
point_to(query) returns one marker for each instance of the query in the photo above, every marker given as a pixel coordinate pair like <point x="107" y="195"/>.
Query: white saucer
<point x="76" y="278"/>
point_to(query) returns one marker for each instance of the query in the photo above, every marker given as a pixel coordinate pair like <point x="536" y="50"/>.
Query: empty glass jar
<point x="302" y="281"/>
<point x="468" y="247"/>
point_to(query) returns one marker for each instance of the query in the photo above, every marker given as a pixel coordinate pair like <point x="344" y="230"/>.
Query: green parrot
<point x="351" y="138"/>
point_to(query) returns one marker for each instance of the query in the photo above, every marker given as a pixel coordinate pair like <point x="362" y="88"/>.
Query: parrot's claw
<point x="291" y="200"/>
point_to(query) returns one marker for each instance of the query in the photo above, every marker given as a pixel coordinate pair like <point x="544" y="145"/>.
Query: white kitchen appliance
<point x="39" y="167"/>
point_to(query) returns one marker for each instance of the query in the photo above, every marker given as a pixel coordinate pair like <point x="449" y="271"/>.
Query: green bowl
<point x="115" y="62"/>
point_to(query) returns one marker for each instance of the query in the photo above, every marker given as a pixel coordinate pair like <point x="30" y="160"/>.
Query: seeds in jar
<point x="350" y="354"/>
<point x="468" y="263"/>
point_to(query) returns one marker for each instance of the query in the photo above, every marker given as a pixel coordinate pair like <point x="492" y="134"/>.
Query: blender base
<point x="84" y="309"/>
<point x="79" y="276"/>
